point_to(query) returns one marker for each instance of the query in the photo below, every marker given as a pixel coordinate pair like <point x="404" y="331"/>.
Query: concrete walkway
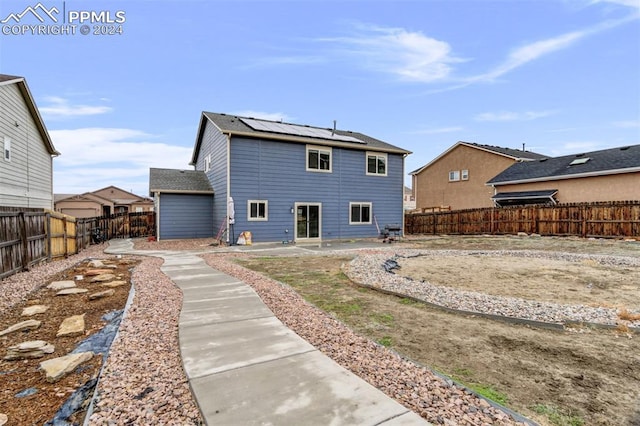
<point x="247" y="368"/>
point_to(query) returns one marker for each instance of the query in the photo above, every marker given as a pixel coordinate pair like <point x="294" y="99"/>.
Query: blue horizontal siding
<point x="214" y="143"/>
<point x="276" y="172"/>
<point x="185" y="216"/>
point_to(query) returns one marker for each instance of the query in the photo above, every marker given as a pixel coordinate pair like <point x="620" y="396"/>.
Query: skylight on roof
<point x="579" y="161"/>
<point x="297" y="130"/>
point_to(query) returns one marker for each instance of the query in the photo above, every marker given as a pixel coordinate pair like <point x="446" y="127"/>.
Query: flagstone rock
<point x="96" y="263"/>
<point x="95" y="272"/>
<point x="21" y="326"/>
<point x="68" y="291"/>
<point x="34" y="310"/>
<point x="114" y="284"/>
<point x="101" y="294"/>
<point x="59" y="285"/>
<point x="56" y="368"/>
<point x="30" y="349"/>
<point x="71" y="326"/>
<point x="103" y="278"/>
<point x="3" y="419"/>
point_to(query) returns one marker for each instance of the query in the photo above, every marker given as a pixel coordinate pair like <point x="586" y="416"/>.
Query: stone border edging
<point x="125" y="309"/>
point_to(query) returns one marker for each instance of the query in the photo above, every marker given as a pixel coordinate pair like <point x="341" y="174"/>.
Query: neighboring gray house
<point x="183" y="202"/>
<point x="293" y="183"/>
<point x="26" y="166"/>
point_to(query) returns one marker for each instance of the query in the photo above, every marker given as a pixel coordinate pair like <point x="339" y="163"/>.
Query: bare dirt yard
<point x="577" y="376"/>
<point x="27" y="397"/>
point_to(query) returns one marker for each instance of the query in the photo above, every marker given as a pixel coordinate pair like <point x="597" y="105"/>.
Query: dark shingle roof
<point x="515" y="153"/>
<point x="6" y="77"/>
<point x="234" y="125"/>
<point x="607" y="161"/>
<point x="172" y="180"/>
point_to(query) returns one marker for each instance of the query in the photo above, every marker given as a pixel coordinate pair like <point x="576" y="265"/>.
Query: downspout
<point x="495" y="204"/>
<point x="228" y="183"/>
<point x="158" y="216"/>
<point x="402" y="199"/>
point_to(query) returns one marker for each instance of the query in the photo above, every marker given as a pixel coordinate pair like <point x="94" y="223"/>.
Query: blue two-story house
<point x="287" y="182"/>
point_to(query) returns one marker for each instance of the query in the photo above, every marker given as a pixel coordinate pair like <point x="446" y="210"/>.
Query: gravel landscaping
<point x="143" y="381"/>
<point x="370" y="270"/>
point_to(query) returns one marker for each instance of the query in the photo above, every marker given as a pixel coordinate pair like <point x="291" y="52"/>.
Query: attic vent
<point x="624" y="148"/>
<point x="579" y="161"/>
<point x="542" y="160"/>
<point x="579" y="155"/>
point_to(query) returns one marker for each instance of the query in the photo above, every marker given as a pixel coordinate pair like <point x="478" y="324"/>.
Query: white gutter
<point x="571" y="176"/>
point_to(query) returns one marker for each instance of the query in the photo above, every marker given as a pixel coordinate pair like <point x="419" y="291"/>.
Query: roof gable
<point x="596" y="163"/>
<point x="113" y="193"/>
<point x="514" y="154"/>
<point x="184" y="181"/>
<point x="233" y="125"/>
<point x="33" y="109"/>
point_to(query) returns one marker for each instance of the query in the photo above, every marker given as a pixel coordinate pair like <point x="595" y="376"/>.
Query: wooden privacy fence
<point x="31" y="236"/>
<point x="610" y="220"/>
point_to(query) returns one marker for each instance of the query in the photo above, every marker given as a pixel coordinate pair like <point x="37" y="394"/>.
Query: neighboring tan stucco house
<point x="103" y="202"/>
<point x="26" y="166"/>
<point x="605" y="175"/>
<point x="457" y="178"/>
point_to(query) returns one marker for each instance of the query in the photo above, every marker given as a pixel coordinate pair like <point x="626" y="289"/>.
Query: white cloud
<point x="629" y="3"/>
<point x="93" y="158"/>
<point x="411" y="56"/>
<point x="512" y="116"/>
<point x="61" y="108"/>
<point x="273" y="116"/>
<point x="535" y="50"/>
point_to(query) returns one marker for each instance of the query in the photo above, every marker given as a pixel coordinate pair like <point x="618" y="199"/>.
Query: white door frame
<point x="295" y="222"/>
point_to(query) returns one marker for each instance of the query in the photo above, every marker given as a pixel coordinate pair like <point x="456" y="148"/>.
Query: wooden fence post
<point x="25" y="240"/>
<point x="47" y="231"/>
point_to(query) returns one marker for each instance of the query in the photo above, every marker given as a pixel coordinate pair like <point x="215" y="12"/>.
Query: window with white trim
<point x="318" y="159"/>
<point x="7" y="149"/>
<point x="257" y="210"/>
<point x="454" y="175"/>
<point x="376" y="164"/>
<point x="207" y="163"/>
<point x="464" y="175"/>
<point x="359" y="213"/>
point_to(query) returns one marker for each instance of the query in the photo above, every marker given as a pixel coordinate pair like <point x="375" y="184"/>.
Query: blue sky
<point x="560" y="76"/>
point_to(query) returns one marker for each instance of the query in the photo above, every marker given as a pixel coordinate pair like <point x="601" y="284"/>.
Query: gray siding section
<point x="276" y="172"/>
<point x="214" y="143"/>
<point x="25" y="181"/>
<point x="185" y="216"/>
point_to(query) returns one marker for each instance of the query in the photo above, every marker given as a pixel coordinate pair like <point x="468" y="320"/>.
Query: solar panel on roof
<point x="294" y="129"/>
